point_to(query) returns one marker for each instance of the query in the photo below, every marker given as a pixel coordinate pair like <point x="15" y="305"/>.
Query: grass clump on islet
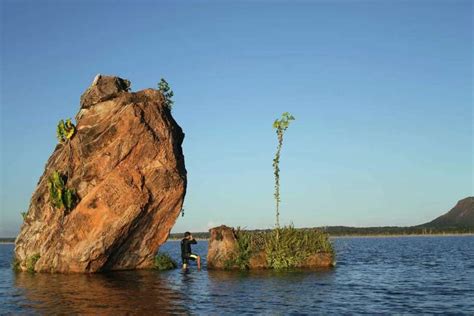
<point x="288" y="247"/>
<point x="284" y="248"/>
<point x="163" y="262"/>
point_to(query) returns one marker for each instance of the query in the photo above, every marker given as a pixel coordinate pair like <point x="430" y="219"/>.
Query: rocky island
<point x="120" y="178"/>
<point x="280" y="248"/>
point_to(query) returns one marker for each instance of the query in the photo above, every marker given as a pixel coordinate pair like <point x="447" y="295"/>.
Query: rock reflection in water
<point x="263" y="290"/>
<point x="119" y="292"/>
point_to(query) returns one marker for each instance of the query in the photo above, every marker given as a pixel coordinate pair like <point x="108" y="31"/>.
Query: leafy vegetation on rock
<point x="165" y="89"/>
<point x="284" y="248"/>
<point x="288" y="247"/>
<point x="163" y="261"/>
<point x="245" y="244"/>
<point x="15" y="265"/>
<point x="65" y="130"/>
<point x="59" y="195"/>
<point x="31" y="262"/>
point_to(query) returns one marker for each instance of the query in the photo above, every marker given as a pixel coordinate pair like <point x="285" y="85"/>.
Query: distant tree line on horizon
<point x="363" y="231"/>
<point x="336" y="231"/>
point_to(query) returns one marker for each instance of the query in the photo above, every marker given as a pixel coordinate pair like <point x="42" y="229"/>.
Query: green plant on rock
<point x="241" y="258"/>
<point x="280" y="125"/>
<point x="59" y="195"/>
<point x="65" y="130"/>
<point x="15" y="265"/>
<point x="284" y="247"/>
<point x="31" y="262"/>
<point x="165" y="89"/>
<point x="24" y="214"/>
<point x="163" y="261"/>
<point x="288" y="247"/>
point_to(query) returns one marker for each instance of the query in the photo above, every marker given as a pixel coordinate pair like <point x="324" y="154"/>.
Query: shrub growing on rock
<point x="15" y="265"/>
<point x="245" y="243"/>
<point x="284" y="248"/>
<point x="65" y="130"/>
<point x="163" y="261"/>
<point x="288" y="247"/>
<point x="165" y="89"/>
<point x="59" y="195"/>
<point x="31" y="262"/>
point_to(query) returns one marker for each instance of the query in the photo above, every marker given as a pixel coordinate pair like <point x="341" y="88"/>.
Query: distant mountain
<point x="461" y="215"/>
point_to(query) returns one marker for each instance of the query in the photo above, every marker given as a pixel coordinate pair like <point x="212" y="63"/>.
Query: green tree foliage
<point x="165" y="89"/>
<point x="23" y="214"/>
<point x="65" y="130"/>
<point x="280" y="125"/>
<point x="59" y="195"/>
<point x="163" y="261"/>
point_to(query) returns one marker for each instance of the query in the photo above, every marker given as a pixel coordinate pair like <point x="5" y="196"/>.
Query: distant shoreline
<point x="178" y="238"/>
<point x="340" y="236"/>
<point x="376" y="236"/>
<point x="401" y="235"/>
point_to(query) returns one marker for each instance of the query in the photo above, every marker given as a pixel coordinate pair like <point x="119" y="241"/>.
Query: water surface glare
<point x="373" y="275"/>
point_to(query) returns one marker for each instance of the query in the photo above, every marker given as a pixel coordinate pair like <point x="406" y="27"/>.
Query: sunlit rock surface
<point x="127" y="166"/>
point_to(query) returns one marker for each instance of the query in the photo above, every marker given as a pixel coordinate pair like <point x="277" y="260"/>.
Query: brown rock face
<point x="127" y="166"/>
<point x="103" y="88"/>
<point x="223" y="246"/>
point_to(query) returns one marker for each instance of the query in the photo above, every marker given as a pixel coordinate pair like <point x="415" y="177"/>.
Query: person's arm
<point x="193" y="241"/>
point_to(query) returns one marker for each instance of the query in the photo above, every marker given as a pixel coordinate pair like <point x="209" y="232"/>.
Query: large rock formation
<point x="223" y="249"/>
<point x="127" y="166"/>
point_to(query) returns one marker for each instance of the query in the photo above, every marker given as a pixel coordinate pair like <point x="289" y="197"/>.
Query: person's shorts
<point x="191" y="256"/>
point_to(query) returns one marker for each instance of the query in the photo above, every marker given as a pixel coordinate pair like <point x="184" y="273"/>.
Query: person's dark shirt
<point x="186" y="246"/>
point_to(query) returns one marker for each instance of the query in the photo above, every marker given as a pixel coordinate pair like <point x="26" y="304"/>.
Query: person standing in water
<point x="186" y="253"/>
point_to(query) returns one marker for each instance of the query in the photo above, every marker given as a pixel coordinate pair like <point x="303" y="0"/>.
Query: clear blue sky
<point x="381" y="92"/>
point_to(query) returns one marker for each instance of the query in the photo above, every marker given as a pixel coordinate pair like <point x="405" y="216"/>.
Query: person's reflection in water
<point x="124" y="292"/>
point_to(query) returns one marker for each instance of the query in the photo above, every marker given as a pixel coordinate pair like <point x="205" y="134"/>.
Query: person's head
<point x="187" y="235"/>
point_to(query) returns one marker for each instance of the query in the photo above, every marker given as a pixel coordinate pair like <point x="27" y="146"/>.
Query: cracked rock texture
<point x="127" y="166"/>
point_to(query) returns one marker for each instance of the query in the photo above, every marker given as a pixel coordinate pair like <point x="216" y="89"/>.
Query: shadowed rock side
<point x="127" y="166"/>
<point x="223" y="246"/>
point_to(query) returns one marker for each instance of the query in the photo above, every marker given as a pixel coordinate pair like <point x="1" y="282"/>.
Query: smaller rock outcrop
<point x="222" y="246"/>
<point x="225" y="252"/>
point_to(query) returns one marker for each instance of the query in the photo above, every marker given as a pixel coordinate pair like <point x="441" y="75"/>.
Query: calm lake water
<point x="373" y="275"/>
